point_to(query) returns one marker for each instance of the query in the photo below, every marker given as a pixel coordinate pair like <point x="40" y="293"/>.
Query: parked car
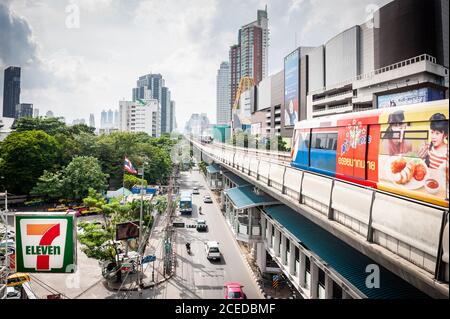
<point x="207" y="199"/>
<point x="13" y="293"/>
<point x="201" y="225"/>
<point x="233" y="290"/>
<point x="212" y="250"/>
<point x="195" y="191"/>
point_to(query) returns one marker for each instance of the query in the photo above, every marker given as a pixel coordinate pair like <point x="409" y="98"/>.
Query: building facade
<point x="140" y="116"/>
<point x="223" y="95"/>
<point x="369" y="66"/>
<point x="250" y="57"/>
<point x="24" y="110"/>
<point x="11" y="91"/>
<point x="92" y="119"/>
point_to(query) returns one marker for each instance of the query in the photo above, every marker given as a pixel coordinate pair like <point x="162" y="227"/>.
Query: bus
<point x="186" y="202"/>
<point x="401" y="150"/>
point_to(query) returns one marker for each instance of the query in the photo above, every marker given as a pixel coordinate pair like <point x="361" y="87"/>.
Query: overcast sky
<point x="76" y="68"/>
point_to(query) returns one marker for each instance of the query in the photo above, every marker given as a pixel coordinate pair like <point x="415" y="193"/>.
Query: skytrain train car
<point x="402" y="150"/>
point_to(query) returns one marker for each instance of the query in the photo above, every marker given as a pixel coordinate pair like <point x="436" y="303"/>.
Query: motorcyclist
<point x="188" y="247"/>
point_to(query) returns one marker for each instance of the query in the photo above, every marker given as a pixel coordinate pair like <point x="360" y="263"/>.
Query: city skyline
<point x="58" y="61"/>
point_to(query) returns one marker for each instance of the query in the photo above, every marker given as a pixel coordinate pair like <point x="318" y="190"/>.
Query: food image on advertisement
<point x="409" y="173"/>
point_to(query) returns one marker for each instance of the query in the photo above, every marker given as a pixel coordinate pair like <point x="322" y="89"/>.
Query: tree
<point x="161" y="203"/>
<point x="82" y="173"/>
<point x="50" y="185"/>
<point x="51" y="126"/>
<point x="25" y="155"/>
<point x="130" y="180"/>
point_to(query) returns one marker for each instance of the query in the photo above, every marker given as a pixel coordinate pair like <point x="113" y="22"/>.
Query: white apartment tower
<point x="223" y="94"/>
<point x="140" y="116"/>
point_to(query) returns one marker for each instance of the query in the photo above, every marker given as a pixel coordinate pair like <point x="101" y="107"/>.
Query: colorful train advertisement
<point x="402" y="150"/>
<point x="413" y="155"/>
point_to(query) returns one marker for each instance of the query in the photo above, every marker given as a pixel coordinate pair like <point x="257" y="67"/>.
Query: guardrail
<point x="408" y="228"/>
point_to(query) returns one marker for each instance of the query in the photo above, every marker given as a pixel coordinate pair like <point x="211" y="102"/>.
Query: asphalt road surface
<point x="196" y="277"/>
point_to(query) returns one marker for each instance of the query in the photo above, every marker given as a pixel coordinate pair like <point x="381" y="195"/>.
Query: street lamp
<point x="140" y="245"/>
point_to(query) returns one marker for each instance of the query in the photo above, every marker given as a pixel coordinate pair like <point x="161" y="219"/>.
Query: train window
<point x="324" y="141"/>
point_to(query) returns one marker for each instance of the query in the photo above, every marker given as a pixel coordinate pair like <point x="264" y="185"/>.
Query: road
<point x="196" y="277"/>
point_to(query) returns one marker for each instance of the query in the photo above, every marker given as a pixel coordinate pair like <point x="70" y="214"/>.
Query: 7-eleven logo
<point x="43" y="243"/>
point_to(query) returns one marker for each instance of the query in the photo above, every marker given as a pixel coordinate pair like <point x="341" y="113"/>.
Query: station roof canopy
<point x="238" y="181"/>
<point x="213" y="169"/>
<point x="344" y="259"/>
<point x="244" y="197"/>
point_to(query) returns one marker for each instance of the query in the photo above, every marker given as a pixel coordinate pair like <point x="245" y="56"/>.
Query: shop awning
<point x="244" y="197"/>
<point x="213" y="169"/>
<point x="344" y="259"/>
<point x="235" y="179"/>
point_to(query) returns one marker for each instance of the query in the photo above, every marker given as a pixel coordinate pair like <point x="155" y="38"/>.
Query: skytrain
<point x="401" y="150"/>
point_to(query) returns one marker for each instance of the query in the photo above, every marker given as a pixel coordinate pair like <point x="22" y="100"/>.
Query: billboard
<point x="409" y="97"/>
<point x="291" y="88"/>
<point x="127" y="230"/>
<point x="45" y="242"/>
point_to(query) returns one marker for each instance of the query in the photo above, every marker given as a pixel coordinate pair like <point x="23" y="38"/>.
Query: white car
<point x="207" y="199"/>
<point x="212" y="250"/>
<point x="195" y="191"/>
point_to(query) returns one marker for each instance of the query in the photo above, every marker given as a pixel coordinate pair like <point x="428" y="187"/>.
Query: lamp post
<point x="140" y="245"/>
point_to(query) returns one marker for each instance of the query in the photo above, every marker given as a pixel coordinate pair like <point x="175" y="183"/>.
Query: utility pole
<point x="140" y="245"/>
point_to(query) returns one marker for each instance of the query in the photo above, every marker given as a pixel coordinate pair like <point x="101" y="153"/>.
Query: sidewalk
<point x="153" y="272"/>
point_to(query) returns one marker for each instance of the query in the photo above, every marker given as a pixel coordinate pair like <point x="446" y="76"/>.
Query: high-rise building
<point x="110" y="118"/>
<point x="116" y="119"/>
<point x="223" y="94"/>
<point x="152" y="86"/>
<point x="165" y="110"/>
<point x="35" y="112"/>
<point x="140" y="116"/>
<point x="91" y="120"/>
<point x="148" y="86"/>
<point x="103" y="119"/>
<point x="24" y="110"/>
<point x="198" y="124"/>
<point x="78" y="121"/>
<point x="172" y="116"/>
<point x="11" y="91"/>
<point x="250" y="57"/>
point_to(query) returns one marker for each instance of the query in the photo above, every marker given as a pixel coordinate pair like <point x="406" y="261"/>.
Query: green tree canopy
<point x="82" y="173"/>
<point x="130" y="180"/>
<point x="24" y="157"/>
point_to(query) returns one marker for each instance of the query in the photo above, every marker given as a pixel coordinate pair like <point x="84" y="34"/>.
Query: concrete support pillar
<point x="314" y="281"/>
<point x="254" y="250"/>
<point x="263" y="229"/>
<point x="302" y="274"/>
<point x="276" y="243"/>
<point x="261" y="257"/>
<point x="291" y="261"/>
<point x="283" y="252"/>
<point x="328" y="287"/>
<point x="269" y="234"/>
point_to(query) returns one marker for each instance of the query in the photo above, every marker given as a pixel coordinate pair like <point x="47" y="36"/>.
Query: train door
<point x="323" y="151"/>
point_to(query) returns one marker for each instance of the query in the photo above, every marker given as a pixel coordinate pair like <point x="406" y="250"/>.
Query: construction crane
<point x="245" y="84"/>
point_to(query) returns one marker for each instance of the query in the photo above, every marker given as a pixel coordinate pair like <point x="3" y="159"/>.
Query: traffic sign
<point x="148" y="259"/>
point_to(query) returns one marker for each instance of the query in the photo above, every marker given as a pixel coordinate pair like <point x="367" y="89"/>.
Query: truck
<point x="185" y="205"/>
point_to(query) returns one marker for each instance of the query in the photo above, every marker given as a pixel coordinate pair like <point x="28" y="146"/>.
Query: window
<point x="324" y="141"/>
<point x="307" y="273"/>
<point x="337" y="291"/>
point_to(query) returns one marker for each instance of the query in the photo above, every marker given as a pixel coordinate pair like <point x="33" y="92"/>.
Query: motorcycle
<point x="188" y="248"/>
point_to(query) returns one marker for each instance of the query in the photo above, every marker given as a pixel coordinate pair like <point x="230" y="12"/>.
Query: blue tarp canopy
<point x="235" y="179"/>
<point x="212" y="169"/>
<point x="347" y="261"/>
<point x="118" y="193"/>
<point x="244" y="197"/>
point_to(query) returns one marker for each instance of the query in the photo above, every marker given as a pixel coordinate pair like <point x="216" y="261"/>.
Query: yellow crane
<point x="245" y="84"/>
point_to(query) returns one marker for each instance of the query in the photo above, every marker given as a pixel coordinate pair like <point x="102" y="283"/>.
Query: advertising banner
<point x="45" y="242"/>
<point x="410" y="97"/>
<point x="291" y="88"/>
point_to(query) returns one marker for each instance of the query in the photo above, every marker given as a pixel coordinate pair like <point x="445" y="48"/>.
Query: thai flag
<point x="129" y="167"/>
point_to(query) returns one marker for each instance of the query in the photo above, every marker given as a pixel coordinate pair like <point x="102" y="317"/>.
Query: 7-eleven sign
<point x="45" y="242"/>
